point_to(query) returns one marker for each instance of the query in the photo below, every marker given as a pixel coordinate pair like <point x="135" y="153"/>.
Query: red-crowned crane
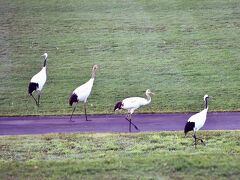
<point x="131" y="104"/>
<point x="82" y="92"/>
<point x="196" y="121"/>
<point x="37" y="82"/>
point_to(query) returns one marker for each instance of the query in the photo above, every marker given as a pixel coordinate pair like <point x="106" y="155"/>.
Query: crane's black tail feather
<point x="118" y="105"/>
<point x="189" y="127"/>
<point x="32" y="87"/>
<point x="73" y="99"/>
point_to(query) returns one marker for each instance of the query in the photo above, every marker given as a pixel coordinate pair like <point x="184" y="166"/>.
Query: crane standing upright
<point x="196" y="121"/>
<point x="82" y="92"/>
<point x="38" y="80"/>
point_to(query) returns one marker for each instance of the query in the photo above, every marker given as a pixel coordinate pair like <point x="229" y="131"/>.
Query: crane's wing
<point x="133" y="102"/>
<point x="84" y="90"/>
<point x="194" y="118"/>
<point x="40" y="78"/>
<point x="199" y="119"/>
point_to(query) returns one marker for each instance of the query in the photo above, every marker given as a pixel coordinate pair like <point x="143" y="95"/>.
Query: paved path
<point x="113" y="123"/>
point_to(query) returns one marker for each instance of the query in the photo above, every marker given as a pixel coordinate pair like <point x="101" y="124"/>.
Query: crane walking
<point x="196" y="121"/>
<point x="37" y="82"/>
<point x="131" y="104"/>
<point x="82" y="92"/>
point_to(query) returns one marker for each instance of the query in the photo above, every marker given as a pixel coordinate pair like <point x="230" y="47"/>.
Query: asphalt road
<point x="113" y="123"/>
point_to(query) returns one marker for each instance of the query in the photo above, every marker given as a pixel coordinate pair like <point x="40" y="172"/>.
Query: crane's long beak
<point x="152" y="93"/>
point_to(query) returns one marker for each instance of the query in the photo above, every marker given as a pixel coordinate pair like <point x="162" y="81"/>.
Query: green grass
<point x="181" y="50"/>
<point x="165" y="155"/>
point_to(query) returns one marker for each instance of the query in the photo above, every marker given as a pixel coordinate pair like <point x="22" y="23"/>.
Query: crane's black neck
<point x="45" y="62"/>
<point x="206" y="103"/>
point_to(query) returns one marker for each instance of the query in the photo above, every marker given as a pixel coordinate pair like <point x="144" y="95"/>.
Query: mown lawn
<point x="165" y="155"/>
<point x="180" y="50"/>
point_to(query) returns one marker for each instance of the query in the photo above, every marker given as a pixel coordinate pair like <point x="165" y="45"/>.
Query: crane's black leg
<point x="34" y="99"/>
<point x="132" y="123"/>
<point x="130" y="126"/>
<point x="72" y="113"/>
<point x="85" y="111"/>
<point x="195" y="139"/>
<point x="200" y="140"/>
<point x="38" y="99"/>
<point x="129" y="119"/>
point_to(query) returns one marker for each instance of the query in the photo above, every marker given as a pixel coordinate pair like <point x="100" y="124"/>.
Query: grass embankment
<point x="179" y="49"/>
<point x="165" y="155"/>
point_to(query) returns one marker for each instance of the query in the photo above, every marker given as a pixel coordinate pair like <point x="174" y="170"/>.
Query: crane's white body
<point x="196" y="121"/>
<point x="40" y="78"/>
<point x="133" y="103"/>
<point x="199" y="119"/>
<point x="82" y="93"/>
<point x="84" y="90"/>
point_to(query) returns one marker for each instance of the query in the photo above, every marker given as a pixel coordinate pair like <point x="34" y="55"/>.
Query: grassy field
<point x="179" y="49"/>
<point x="165" y="155"/>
